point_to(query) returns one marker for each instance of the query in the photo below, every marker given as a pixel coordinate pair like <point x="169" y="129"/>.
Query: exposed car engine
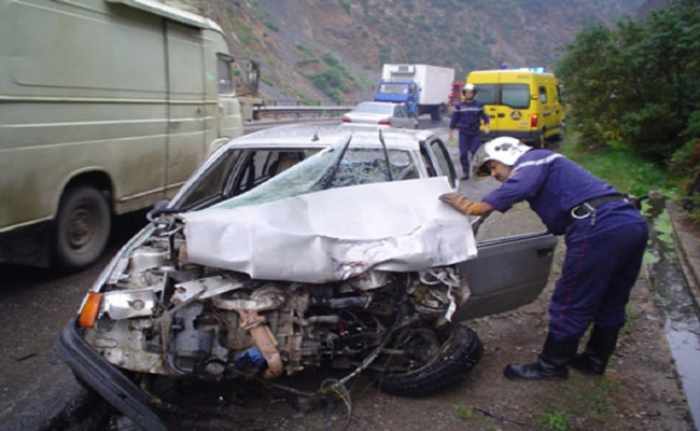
<point x="162" y="315"/>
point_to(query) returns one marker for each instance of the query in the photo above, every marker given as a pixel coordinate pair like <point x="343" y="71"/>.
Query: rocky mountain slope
<point x="332" y="50"/>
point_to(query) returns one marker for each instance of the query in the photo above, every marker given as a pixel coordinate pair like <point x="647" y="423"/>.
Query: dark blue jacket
<point x="552" y="184"/>
<point x="466" y="117"/>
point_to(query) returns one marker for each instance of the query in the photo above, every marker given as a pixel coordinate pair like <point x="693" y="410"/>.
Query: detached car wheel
<point x="447" y="365"/>
<point x="83" y="224"/>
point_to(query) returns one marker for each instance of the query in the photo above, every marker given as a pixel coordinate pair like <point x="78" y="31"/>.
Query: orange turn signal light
<point x="88" y="314"/>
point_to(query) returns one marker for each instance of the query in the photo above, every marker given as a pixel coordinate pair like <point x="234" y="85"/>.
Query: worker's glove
<point x="487" y="130"/>
<point x="464" y="205"/>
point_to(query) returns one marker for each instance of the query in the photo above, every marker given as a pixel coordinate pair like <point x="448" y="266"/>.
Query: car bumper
<point x="105" y="379"/>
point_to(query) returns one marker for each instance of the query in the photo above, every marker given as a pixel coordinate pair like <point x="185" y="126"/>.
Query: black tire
<point x="459" y="353"/>
<point x="83" y="223"/>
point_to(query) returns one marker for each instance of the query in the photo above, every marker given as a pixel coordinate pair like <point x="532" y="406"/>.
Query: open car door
<point x="508" y="273"/>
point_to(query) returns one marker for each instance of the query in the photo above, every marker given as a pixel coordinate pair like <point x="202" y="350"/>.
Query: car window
<point x="543" y="95"/>
<point x="393" y="88"/>
<point x="516" y="96"/>
<point x="261" y="165"/>
<point x="375" y="108"/>
<point x="487" y="93"/>
<point x="330" y="168"/>
<point x="211" y="185"/>
<point x="442" y="158"/>
<point x="368" y="165"/>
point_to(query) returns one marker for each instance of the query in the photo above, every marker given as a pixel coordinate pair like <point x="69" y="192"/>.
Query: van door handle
<point x="501" y="115"/>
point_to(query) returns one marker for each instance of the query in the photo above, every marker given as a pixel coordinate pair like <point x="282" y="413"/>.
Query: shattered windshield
<point x="327" y="170"/>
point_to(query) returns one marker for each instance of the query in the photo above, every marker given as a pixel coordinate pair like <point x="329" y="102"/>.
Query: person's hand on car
<point x="464" y="205"/>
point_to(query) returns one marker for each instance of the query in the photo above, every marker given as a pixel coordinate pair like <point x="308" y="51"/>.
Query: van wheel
<point x="82" y="225"/>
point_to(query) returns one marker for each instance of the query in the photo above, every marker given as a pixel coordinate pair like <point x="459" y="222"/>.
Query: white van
<point x="106" y="106"/>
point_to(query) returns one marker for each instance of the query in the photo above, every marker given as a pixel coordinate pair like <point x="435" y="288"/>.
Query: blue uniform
<point x="412" y="102"/>
<point x="604" y="250"/>
<point x="467" y="117"/>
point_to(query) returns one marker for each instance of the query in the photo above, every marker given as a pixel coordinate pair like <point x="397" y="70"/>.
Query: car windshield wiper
<point x="331" y="177"/>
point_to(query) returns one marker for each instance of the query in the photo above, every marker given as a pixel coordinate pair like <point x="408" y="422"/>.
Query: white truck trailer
<point x="429" y="86"/>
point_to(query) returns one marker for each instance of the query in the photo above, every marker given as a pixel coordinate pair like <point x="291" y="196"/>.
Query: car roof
<point x="324" y="135"/>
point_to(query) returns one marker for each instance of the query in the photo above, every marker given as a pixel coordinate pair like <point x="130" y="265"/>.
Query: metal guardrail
<point x="298" y="110"/>
<point x="254" y="126"/>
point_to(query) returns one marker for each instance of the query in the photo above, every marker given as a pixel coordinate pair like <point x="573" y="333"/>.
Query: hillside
<point x="332" y="50"/>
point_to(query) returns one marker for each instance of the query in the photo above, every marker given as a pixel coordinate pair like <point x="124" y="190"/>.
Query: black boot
<point x="550" y="364"/>
<point x="600" y="347"/>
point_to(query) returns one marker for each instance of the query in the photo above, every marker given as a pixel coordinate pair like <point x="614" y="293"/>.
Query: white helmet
<point x="468" y="87"/>
<point x="504" y="149"/>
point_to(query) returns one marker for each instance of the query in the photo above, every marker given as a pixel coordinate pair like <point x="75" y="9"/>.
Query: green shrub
<point x="636" y="82"/>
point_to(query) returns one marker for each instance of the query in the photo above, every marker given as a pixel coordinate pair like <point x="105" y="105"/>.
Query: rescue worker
<point x="467" y="117"/>
<point x="412" y="100"/>
<point x="605" y="238"/>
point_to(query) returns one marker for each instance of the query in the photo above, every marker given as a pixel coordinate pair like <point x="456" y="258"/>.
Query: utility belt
<point x="589" y="208"/>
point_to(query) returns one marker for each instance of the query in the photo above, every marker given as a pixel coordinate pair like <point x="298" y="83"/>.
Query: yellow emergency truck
<point x="523" y="103"/>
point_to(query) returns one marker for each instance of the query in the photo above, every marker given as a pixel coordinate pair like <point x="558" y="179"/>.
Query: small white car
<point x="381" y="113"/>
<point x="302" y="247"/>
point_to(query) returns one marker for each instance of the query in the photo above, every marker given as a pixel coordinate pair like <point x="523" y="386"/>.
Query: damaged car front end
<point x="345" y="260"/>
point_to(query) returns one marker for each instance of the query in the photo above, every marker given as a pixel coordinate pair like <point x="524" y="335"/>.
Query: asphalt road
<point x="35" y="304"/>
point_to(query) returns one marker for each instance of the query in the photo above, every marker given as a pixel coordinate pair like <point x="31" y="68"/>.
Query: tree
<point x="638" y="82"/>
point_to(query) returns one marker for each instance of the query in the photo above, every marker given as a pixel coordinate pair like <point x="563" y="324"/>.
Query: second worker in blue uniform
<point x="467" y="118"/>
<point x="605" y="239"/>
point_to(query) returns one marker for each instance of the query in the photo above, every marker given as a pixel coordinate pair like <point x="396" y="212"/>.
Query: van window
<point x="517" y="96"/>
<point x="543" y="95"/>
<point x="225" y="76"/>
<point x="487" y="94"/>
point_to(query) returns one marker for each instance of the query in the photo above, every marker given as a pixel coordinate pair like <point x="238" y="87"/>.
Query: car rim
<point x="82" y="226"/>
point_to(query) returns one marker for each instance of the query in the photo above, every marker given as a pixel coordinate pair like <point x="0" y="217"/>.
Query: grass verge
<point x="620" y="167"/>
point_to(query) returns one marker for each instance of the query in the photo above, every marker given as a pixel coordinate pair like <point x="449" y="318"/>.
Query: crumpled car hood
<point x="334" y="234"/>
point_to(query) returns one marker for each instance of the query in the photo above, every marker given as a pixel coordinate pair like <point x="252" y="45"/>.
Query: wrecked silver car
<point x="302" y="247"/>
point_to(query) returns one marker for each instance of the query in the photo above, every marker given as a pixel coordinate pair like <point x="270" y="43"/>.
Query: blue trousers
<point x="600" y="268"/>
<point x="468" y="144"/>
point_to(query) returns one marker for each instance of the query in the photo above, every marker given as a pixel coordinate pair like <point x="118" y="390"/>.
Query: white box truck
<point x="429" y="85"/>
